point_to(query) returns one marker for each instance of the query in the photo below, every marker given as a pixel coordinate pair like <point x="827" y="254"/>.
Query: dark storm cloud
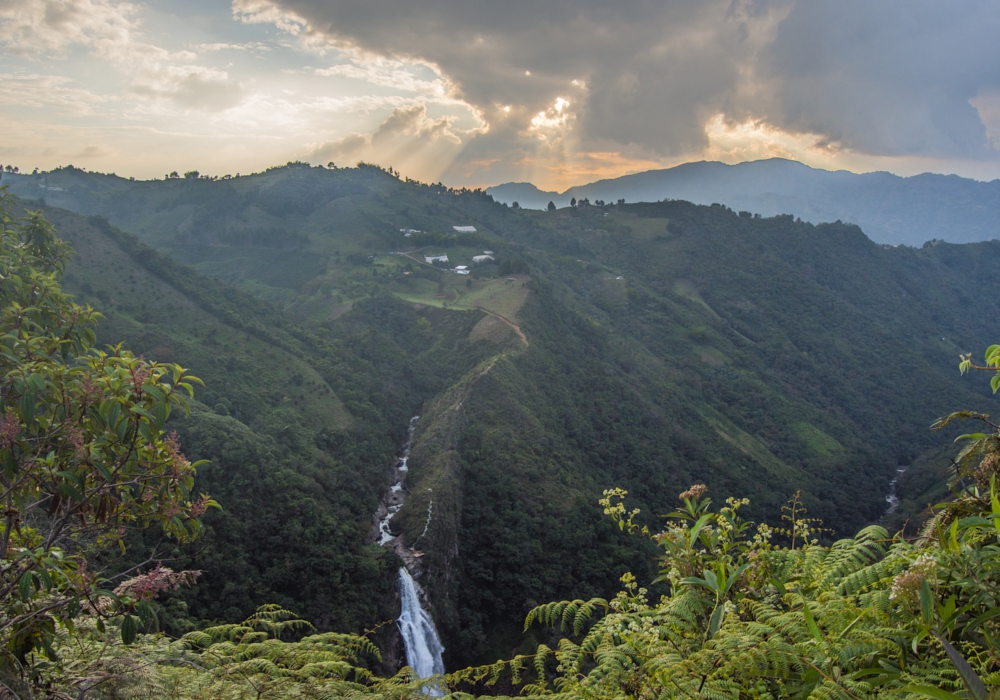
<point x="885" y="78"/>
<point x="891" y="78"/>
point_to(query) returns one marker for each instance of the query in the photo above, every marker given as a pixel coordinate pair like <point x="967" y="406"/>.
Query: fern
<point x="572" y="614"/>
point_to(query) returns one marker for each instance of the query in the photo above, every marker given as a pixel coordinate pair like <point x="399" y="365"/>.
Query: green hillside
<point x="663" y="345"/>
<point x="299" y="426"/>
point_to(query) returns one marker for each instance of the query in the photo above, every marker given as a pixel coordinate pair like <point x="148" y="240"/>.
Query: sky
<point x="475" y="92"/>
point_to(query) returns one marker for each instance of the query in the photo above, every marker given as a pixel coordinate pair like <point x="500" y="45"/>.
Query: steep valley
<point x="644" y="346"/>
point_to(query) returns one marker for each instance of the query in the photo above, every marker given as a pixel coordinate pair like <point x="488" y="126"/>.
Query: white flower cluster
<point x="906" y="586"/>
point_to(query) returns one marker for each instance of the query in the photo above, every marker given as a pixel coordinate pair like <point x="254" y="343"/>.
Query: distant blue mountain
<point x="889" y="208"/>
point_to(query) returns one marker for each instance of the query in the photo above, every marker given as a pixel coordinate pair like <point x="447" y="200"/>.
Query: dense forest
<point x="647" y="347"/>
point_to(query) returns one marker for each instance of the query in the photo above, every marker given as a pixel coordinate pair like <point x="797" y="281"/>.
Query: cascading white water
<point x="891" y="498"/>
<point x="420" y="637"/>
<point x="385" y="535"/>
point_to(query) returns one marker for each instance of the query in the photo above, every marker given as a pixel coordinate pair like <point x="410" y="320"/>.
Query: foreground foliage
<point x="241" y="661"/>
<point x="869" y="616"/>
<point x="84" y="456"/>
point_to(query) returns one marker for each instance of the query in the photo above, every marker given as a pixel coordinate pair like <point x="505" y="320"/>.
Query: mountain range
<point x="647" y="346"/>
<point x="890" y="209"/>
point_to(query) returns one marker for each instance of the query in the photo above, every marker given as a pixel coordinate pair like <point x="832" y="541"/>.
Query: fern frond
<point x="567" y="613"/>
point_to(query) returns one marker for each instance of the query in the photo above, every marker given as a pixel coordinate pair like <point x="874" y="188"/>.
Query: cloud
<point x="32" y="27"/>
<point x="649" y="80"/>
<point x="390" y="73"/>
<point x="987" y="103"/>
<point x="93" y="152"/>
<point x="413" y="121"/>
<point x="191" y="87"/>
<point x="226" y="46"/>
<point x="406" y="125"/>
<point x="52" y="93"/>
<point x="342" y="149"/>
<point x="892" y="78"/>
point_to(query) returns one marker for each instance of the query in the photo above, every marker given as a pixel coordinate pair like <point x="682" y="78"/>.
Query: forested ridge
<point x="890" y="208"/>
<point x="663" y="345"/>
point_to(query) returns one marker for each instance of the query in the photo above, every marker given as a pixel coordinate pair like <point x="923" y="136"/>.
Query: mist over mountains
<point x="889" y="208"/>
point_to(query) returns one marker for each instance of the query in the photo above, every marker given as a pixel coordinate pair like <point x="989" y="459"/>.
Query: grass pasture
<point x="503" y="297"/>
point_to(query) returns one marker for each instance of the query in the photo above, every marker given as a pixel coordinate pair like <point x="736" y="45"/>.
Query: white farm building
<point x="482" y="258"/>
<point x="431" y="259"/>
<point x="465" y="229"/>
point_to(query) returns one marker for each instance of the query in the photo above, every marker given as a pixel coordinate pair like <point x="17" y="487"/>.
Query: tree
<point x="552" y="206"/>
<point x="84" y="454"/>
<point x="515" y="205"/>
<point x="191" y="175"/>
<point x="572" y="202"/>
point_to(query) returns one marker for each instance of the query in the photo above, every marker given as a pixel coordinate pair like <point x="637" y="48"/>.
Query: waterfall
<point x="396" y="495"/>
<point x="420" y="637"/>
<point x="891" y="498"/>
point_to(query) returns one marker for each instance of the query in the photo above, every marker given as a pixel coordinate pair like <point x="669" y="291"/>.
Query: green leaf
<point x="712" y="581"/>
<point x="988" y="615"/>
<point x="145" y="612"/>
<point x="732" y="578"/>
<point x="716" y="621"/>
<point x="926" y="602"/>
<point x="68" y="491"/>
<point x="128" y="629"/>
<point x="931" y="691"/>
<point x="70" y="476"/>
<point x="994" y="503"/>
<point x="969" y="676"/>
<point x="28" y="408"/>
<point x="103" y="470"/>
<point x="693" y="536"/>
<point x="114" y="413"/>
<point x="162" y="411"/>
<point x="9" y="464"/>
<point x="971" y="436"/>
<point x="37" y="383"/>
<point x="992" y="354"/>
<point x="139" y="410"/>
<point x="45" y="579"/>
<point x="811" y="623"/>
<point x="24" y="586"/>
<point x="154" y="391"/>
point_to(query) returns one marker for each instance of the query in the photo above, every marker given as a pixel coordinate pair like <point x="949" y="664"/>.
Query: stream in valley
<point x="892" y="498"/>
<point x="416" y="626"/>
